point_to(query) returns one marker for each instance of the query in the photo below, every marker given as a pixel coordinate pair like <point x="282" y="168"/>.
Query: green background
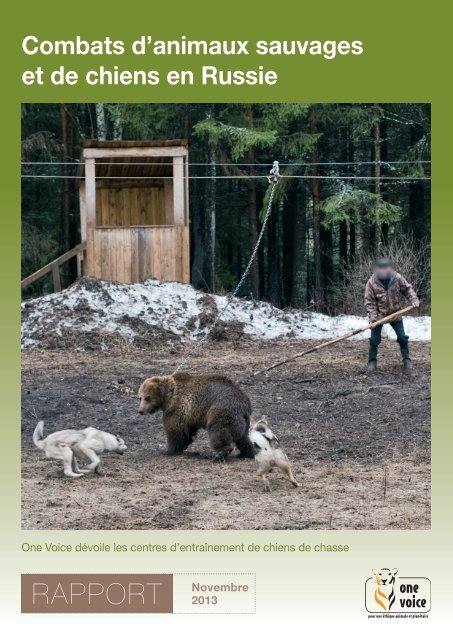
<point x="406" y="59"/>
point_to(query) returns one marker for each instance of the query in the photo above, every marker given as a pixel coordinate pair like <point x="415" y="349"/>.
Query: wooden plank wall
<point x="134" y="254"/>
<point x="123" y="207"/>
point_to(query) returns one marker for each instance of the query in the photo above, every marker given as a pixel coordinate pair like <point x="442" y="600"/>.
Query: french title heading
<point x="147" y="46"/>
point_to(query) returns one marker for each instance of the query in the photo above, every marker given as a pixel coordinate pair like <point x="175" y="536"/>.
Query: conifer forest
<point x="355" y="185"/>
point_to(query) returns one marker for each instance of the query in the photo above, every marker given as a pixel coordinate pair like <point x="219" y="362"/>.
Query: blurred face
<point x="150" y="395"/>
<point x="383" y="272"/>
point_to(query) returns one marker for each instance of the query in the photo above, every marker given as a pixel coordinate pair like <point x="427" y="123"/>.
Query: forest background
<point x="355" y="185"/>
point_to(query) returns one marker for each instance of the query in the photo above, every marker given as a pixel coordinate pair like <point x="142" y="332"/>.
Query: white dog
<point x="67" y="444"/>
<point x="268" y="453"/>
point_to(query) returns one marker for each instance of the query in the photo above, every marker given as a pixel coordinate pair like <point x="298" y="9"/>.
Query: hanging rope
<point x="273" y="179"/>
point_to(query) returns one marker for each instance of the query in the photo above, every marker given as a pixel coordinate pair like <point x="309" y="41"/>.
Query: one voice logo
<point x="389" y="594"/>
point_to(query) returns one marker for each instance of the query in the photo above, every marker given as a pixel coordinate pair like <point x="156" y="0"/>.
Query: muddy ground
<point x="359" y="444"/>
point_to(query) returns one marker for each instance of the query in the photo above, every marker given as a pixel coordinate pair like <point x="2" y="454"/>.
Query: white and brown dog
<point x="70" y="444"/>
<point x="268" y="453"/>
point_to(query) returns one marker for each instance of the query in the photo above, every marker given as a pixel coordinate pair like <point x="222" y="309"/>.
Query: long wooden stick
<point x="389" y="318"/>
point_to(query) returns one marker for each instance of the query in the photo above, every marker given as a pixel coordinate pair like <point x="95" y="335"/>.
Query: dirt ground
<point x="359" y="443"/>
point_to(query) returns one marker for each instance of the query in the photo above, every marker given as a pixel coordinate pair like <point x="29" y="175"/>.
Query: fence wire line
<point x="221" y="313"/>
<point x="231" y="164"/>
<point x="248" y="177"/>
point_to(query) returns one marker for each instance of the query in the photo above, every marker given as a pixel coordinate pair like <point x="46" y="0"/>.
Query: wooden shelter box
<point x="134" y="210"/>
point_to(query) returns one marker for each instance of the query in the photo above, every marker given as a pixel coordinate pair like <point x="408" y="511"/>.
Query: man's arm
<point x="408" y="291"/>
<point x="370" y="303"/>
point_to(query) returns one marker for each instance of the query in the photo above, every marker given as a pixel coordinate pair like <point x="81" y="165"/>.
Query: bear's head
<point x="152" y="394"/>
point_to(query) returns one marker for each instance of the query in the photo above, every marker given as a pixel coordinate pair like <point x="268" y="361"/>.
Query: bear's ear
<point x="145" y="385"/>
<point x="252" y="422"/>
<point x="163" y="385"/>
<point x="264" y="419"/>
<point x="394" y="571"/>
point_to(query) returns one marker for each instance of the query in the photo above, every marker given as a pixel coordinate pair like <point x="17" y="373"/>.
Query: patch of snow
<point x="177" y="309"/>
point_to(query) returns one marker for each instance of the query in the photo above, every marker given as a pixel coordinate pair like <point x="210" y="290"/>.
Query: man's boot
<point x="407" y="362"/>
<point x="372" y="357"/>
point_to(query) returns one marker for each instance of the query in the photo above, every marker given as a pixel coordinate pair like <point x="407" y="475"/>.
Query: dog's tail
<point x="38" y="434"/>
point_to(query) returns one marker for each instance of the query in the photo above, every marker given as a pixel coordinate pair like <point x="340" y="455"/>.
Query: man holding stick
<point x="383" y="292"/>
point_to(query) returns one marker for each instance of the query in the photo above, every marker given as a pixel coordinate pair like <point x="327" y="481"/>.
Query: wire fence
<point x="232" y="164"/>
<point x="236" y="177"/>
<point x="240" y="165"/>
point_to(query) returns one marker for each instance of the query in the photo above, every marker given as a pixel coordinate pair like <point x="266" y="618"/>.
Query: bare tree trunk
<point x="101" y="122"/>
<point x="117" y="127"/>
<point x="343" y="243"/>
<point x="343" y="226"/>
<point x="91" y="111"/>
<point x="252" y="212"/>
<point x="273" y="260"/>
<point x="238" y="248"/>
<point x="327" y="275"/>
<point x="288" y="217"/>
<point x="416" y="196"/>
<point x="66" y="181"/>
<point x="352" y="227"/>
<point x="377" y="179"/>
<point x="262" y="270"/>
<point x="211" y="189"/>
<point x="198" y="236"/>
<point x="211" y="202"/>
<point x="365" y="230"/>
<point x="299" y="280"/>
<point x="352" y="242"/>
<point x="186" y="123"/>
<point x="318" y="294"/>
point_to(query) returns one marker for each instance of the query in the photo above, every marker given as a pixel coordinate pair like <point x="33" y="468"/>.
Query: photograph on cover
<point x="226" y="316"/>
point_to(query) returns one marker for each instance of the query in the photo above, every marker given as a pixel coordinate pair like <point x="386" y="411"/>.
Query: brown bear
<point x="190" y="402"/>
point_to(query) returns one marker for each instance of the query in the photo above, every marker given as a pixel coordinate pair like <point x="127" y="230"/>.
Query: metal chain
<point x="273" y="179"/>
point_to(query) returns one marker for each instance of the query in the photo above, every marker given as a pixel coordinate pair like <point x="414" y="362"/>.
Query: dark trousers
<point x="401" y="338"/>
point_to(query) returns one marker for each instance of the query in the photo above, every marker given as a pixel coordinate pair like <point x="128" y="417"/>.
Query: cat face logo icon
<point x="384" y="592"/>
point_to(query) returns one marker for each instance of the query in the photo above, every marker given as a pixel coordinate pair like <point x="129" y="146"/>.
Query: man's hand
<point x="416" y="304"/>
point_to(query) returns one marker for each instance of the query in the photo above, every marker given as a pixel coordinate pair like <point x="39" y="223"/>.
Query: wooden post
<point x="56" y="278"/>
<point x="83" y="213"/>
<point x="178" y="191"/>
<point x="186" y="190"/>
<point x="90" y="192"/>
<point x="90" y="217"/>
<point x="79" y="265"/>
